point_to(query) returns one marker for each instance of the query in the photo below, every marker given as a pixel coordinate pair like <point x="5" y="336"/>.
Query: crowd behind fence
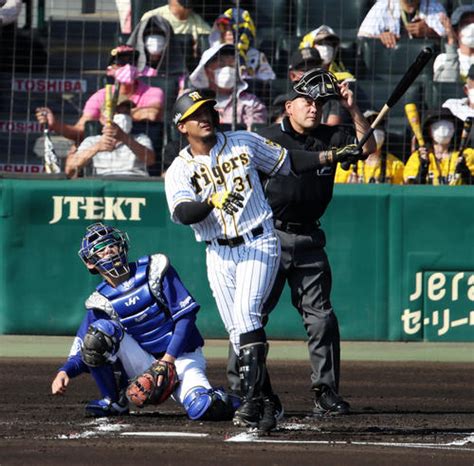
<point x="57" y="54"/>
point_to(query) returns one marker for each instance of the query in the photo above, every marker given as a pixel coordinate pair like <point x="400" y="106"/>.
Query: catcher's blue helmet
<point x="98" y="236"/>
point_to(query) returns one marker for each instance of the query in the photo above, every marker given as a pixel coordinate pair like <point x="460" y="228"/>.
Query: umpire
<point x="298" y="202"/>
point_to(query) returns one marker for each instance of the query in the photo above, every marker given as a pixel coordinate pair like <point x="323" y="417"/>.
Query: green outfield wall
<point x="402" y="257"/>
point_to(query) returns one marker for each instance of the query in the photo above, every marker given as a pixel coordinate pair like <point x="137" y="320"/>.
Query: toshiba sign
<point x="49" y="85"/>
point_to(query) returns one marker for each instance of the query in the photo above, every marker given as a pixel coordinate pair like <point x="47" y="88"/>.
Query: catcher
<point x="139" y="339"/>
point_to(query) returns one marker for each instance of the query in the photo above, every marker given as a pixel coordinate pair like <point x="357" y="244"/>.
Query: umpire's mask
<point x="318" y="84"/>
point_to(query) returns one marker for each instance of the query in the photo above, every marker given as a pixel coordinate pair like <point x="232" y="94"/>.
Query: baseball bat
<point x="414" y="119"/>
<point x="407" y="80"/>
<point x="108" y="110"/>
<point x="466" y="131"/>
<point x="51" y="164"/>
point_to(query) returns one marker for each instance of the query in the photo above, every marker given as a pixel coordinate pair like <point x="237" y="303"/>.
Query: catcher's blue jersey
<point x="147" y="305"/>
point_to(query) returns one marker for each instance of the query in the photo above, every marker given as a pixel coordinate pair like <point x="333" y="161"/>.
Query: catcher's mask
<point x="318" y="84"/>
<point x="98" y="236"/>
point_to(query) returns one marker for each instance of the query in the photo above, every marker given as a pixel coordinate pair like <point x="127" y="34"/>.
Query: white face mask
<point x="467" y="35"/>
<point x="470" y="96"/>
<point x="442" y="131"/>
<point x="124" y="122"/>
<point x="155" y="44"/>
<point x="225" y="77"/>
<point x="379" y="135"/>
<point x="326" y="52"/>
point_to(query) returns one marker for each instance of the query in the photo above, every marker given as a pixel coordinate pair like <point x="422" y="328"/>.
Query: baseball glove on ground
<point x="144" y="389"/>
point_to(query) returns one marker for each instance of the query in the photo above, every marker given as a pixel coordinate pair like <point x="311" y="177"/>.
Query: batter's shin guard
<point x="252" y="372"/>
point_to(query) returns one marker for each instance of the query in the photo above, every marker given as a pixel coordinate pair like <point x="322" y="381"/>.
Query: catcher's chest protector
<point x="139" y="311"/>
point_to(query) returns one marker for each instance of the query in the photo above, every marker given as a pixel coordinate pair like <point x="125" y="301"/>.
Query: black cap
<point x="123" y="54"/>
<point x="188" y="103"/>
<point x="306" y="59"/>
<point x="459" y="12"/>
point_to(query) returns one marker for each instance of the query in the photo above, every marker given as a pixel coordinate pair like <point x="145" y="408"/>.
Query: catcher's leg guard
<point x="111" y="384"/>
<point x="105" y="379"/>
<point x="208" y="404"/>
<point x="253" y="351"/>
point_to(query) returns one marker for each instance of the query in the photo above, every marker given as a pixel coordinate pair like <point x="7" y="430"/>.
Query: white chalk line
<point x="253" y="437"/>
<point x="164" y="434"/>
<point x="103" y="426"/>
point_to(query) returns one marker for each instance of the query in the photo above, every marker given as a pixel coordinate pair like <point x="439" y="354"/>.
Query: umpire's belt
<point x="297" y="228"/>
<point x="238" y="240"/>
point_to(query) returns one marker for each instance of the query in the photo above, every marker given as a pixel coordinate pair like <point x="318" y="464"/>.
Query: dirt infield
<point x="404" y="413"/>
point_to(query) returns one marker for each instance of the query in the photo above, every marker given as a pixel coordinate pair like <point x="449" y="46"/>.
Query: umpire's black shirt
<point x="303" y="198"/>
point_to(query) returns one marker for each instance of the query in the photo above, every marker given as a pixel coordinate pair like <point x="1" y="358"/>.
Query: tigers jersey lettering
<point x="232" y="164"/>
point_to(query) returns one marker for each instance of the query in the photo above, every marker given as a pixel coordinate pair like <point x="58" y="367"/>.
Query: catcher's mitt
<point x="144" y="389"/>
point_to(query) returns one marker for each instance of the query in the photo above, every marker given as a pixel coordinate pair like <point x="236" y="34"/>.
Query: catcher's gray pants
<point x="305" y="266"/>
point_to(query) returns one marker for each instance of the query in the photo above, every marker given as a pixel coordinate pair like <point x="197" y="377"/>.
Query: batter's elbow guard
<point x="209" y="404"/>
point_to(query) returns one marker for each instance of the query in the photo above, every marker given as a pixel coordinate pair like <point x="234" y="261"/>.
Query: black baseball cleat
<point x="328" y="402"/>
<point x="248" y="414"/>
<point x="272" y="412"/>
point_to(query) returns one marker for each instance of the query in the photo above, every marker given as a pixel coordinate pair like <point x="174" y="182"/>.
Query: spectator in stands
<point x="463" y="108"/>
<point x="278" y="110"/>
<point x="20" y="50"/>
<point x="148" y="100"/>
<point x="389" y="20"/>
<point x="124" y="9"/>
<point x="158" y="51"/>
<point x="9" y="12"/>
<point x="217" y="72"/>
<point x="454" y="65"/>
<point x="182" y="18"/>
<point x="303" y="60"/>
<point x="439" y="162"/>
<point x="326" y="42"/>
<point x="379" y="167"/>
<point x="116" y="151"/>
<point x="254" y="63"/>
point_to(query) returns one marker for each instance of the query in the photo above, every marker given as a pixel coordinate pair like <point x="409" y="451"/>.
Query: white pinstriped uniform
<point x="239" y="276"/>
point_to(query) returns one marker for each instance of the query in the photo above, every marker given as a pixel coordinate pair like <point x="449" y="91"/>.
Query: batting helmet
<point x="189" y="103"/>
<point x="317" y="84"/>
<point x="98" y="236"/>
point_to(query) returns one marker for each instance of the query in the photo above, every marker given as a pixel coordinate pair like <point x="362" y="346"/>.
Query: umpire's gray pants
<point x="305" y="266"/>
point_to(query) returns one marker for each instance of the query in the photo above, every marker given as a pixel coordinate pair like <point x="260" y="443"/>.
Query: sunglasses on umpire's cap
<point x="189" y="103"/>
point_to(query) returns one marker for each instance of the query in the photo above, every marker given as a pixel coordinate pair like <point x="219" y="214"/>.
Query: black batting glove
<point x="346" y="155"/>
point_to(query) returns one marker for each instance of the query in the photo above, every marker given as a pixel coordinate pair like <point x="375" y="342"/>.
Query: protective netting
<point x="55" y="54"/>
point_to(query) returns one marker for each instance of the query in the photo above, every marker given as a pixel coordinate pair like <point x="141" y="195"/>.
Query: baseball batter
<point x="213" y="185"/>
<point x="140" y="315"/>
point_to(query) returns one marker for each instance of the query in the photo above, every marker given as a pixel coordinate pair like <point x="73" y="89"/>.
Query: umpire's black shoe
<point x="328" y="402"/>
<point x="248" y="414"/>
<point x="272" y="412"/>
